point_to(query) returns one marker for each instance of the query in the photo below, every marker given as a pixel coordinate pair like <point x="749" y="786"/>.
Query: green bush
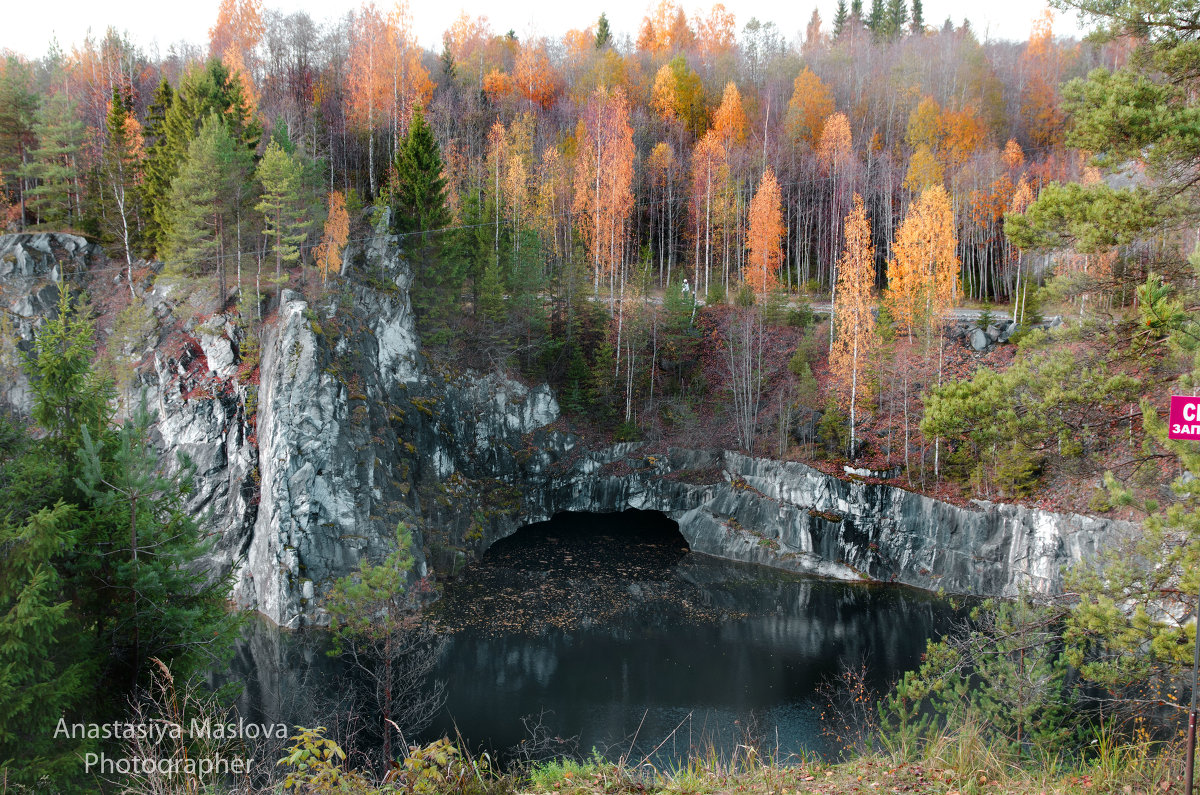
<point x="552" y="775"/>
<point x="1018" y="472"/>
<point x="802" y="316"/>
<point x="716" y="294"/>
<point x="627" y="431"/>
<point x="833" y="432"/>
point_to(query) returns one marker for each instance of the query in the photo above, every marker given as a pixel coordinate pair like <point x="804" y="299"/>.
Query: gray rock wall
<point x="789" y="515"/>
<point x="355" y="432"/>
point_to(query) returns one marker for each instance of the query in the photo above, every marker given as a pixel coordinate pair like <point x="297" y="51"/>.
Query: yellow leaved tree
<point x="337" y="231"/>
<point x="855" y="337"/>
<point x="761" y="270"/>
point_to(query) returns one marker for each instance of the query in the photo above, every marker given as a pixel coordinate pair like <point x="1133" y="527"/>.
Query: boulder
<point x="980" y="340"/>
<point x="218" y="349"/>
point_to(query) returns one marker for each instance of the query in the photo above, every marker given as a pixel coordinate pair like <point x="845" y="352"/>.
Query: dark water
<point x="604" y="632"/>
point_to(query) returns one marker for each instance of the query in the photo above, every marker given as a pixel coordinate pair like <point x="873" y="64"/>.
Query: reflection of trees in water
<point x="606" y="629"/>
<point x="287" y="677"/>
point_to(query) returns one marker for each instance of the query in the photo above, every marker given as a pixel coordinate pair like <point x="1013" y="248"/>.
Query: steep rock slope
<point x="349" y="430"/>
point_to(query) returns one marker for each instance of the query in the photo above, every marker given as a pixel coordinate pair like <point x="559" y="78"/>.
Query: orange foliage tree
<point x="410" y="81"/>
<point x="1039" y="97"/>
<point x="1022" y="198"/>
<point x="716" y="33"/>
<point x="385" y="76"/>
<point x="729" y="121"/>
<point x="554" y="201"/>
<point x="233" y="38"/>
<point x="764" y="243"/>
<point x="810" y="105"/>
<point x="924" y="170"/>
<point x="665" y="29"/>
<point x="963" y="133"/>
<point x="366" y="88"/>
<point x="835" y="154"/>
<point x="337" y="232"/>
<point x="534" y="76"/>
<point x="923" y="272"/>
<point x="663" y="96"/>
<point x="709" y="171"/>
<point x="604" y="182"/>
<point x="663" y="166"/>
<point x="855" y="337"/>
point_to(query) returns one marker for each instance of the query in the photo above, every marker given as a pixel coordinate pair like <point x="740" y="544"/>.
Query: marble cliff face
<point x="350" y="430"/>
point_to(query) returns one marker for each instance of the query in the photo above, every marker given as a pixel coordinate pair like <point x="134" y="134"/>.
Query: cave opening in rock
<point x="573" y="540"/>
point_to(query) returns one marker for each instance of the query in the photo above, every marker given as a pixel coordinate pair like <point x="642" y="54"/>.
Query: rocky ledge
<point x="305" y="467"/>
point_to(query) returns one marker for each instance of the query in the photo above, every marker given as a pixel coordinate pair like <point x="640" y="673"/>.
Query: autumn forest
<point x="953" y="277"/>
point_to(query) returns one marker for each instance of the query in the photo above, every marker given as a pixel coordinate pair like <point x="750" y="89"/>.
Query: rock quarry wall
<point x="349" y="430"/>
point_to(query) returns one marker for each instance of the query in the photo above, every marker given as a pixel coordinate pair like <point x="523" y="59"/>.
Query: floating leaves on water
<point x="528" y="586"/>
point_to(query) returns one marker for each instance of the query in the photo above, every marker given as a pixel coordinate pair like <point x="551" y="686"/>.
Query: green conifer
<point x="51" y="164"/>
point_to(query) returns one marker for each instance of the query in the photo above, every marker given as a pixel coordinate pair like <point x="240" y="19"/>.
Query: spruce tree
<point x="526" y="282"/>
<point x="877" y="19"/>
<point x="839" y="19"/>
<point x="159" y="170"/>
<point x="98" y="573"/>
<point x="419" y="200"/>
<point x="856" y="10"/>
<point x="420" y="215"/>
<point x="897" y="17"/>
<point x="153" y="604"/>
<point x="68" y="394"/>
<point x="603" y="32"/>
<point x="45" y="671"/>
<point x="51" y="164"/>
<point x="918" y="18"/>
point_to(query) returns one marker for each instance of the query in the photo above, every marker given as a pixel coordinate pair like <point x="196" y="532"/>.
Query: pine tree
<point x="204" y="202"/>
<point x="52" y="163"/>
<point x="284" y="211"/>
<point x="372" y="620"/>
<point x="203" y="92"/>
<point x="18" y="106"/>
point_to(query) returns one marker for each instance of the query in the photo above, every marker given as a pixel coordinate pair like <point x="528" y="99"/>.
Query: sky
<point x="29" y="27"/>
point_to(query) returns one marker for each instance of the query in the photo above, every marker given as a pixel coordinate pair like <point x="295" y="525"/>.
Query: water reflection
<point x="617" y="635"/>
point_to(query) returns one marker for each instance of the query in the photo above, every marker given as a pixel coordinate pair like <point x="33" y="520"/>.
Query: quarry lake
<point x="602" y="631"/>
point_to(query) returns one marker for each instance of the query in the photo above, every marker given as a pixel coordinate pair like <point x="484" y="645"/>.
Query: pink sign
<point x="1185" y="418"/>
